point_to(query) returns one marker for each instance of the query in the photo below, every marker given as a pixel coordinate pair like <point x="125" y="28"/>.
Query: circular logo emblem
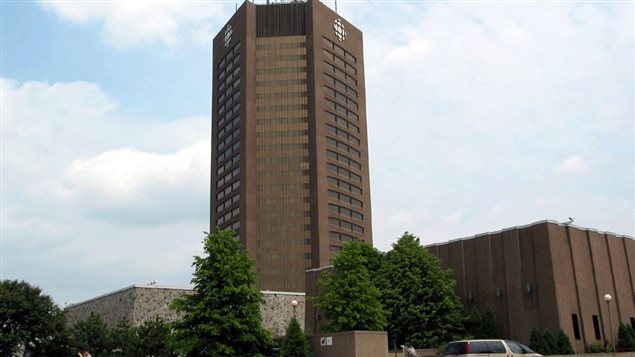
<point x="228" y="35"/>
<point x="340" y="31"/>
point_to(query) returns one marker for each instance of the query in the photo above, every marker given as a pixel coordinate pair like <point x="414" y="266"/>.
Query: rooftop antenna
<point x="336" y="6"/>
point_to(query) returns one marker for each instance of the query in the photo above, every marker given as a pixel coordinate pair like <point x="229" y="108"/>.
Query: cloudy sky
<point x="482" y="115"/>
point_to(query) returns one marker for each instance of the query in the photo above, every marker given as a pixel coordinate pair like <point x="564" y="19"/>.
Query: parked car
<point x="492" y="348"/>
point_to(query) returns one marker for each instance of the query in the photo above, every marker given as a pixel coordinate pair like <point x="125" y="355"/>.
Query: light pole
<point x="608" y="299"/>
<point x="294" y="303"/>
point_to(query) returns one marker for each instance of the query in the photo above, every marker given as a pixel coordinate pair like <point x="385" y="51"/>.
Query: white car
<point x="492" y="348"/>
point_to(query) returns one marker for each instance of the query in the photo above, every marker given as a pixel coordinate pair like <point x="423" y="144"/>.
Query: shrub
<point x="595" y="347"/>
<point x="543" y="342"/>
<point x="626" y="338"/>
<point x="564" y="344"/>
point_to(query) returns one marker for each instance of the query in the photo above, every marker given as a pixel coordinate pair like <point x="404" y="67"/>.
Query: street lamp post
<point x="294" y="303"/>
<point x="608" y="299"/>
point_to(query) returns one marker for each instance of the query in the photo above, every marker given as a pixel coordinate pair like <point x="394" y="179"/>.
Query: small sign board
<point x="326" y="341"/>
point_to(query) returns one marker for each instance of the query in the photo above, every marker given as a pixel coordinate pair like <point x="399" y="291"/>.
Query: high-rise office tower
<point x="289" y="143"/>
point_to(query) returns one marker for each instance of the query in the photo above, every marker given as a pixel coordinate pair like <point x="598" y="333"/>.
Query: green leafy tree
<point x="626" y="338"/>
<point x="295" y="343"/>
<point x="92" y="335"/>
<point x="152" y="339"/>
<point x="123" y="339"/>
<point x="223" y="317"/>
<point x="564" y="344"/>
<point x="418" y="295"/>
<point x="543" y="342"/>
<point x="30" y="322"/>
<point x="482" y="324"/>
<point x="350" y="299"/>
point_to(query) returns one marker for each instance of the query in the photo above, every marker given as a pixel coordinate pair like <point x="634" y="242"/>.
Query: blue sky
<point x="482" y="116"/>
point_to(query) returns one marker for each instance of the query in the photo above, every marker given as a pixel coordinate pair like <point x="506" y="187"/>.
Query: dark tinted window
<point x="515" y="347"/>
<point x="596" y="327"/>
<point x="455" y="348"/>
<point x="487" y="347"/>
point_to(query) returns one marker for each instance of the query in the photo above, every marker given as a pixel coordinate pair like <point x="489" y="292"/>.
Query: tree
<point x="482" y="324"/>
<point x="350" y="299"/>
<point x="92" y="335"/>
<point x="295" y="343"/>
<point x="418" y="295"/>
<point x="626" y="338"/>
<point x="543" y="342"/>
<point x="30" y="322"/>
<point x="152" y="339"/>
<point x="563" y="344"/>
<point x="223" y="317"/>
<point x="123" y="337"/>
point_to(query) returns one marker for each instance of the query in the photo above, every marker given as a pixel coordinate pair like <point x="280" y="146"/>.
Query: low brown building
<point x="547" y="274"/>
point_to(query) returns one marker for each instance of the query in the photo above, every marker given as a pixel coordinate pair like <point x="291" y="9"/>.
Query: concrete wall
<point x="351" y="344"/>
<point x="138" y="304"/>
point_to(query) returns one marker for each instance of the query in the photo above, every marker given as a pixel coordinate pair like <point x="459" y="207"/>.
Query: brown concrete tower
<point x="289" y="143"/>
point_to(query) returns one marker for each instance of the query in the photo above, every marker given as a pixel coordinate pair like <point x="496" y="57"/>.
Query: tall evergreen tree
<point x="152" y="339"/>
<point x="92" y="335"/>
<point x="564" y="344"/>
<point x="418" y="295"/>
<point x="625" y="338"/>
<point x="295" y="343"/>
<point x="350" y="300"/>
<point x="223" y="317"/>
<point x="482" y="325"/>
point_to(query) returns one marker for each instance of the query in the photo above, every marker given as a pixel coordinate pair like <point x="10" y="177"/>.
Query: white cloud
<point x="571" y="165"/>
<point x="133" y="22"/>
<point x="498" y="209"/>
<point x="453" y="218"/>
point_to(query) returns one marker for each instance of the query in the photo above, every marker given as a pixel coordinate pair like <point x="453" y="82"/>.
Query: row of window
<point x="284" y="243"/>
<point x="284" y="256"/>
<point x="341" y="97"/>
<point x="342" y="109"/>
<point x="288" y="120"/>
<point x="280" y="58"/>
<point x="282" y="200"/>
<point x="283" y="187"/>
<point x="342" y="122"/>
<point x="222" y="107"/>
<point x="280" y="95"/>
<point x="229" y="100"/>
<point x="230" y="77"/>
<point x="233" y="135"/>
<point x="344" y="185"/>
<point x="280" y="147"/>
<point x="330" y="68"/>
<point x="328" y="79"/>
<point x="283" y="173"/>
<point x="281" y="70"/>
<point x="338" y="49"/>
<point x="274" y="228"/>
<point x="228" y="203"/>
<point x="228" y="176"/>
<point x="343" y="159"/>
<point x="344" y="172"/>
<point x="338" y="61"/>
<point x="229" y="55"/>
<point x="346" y="225"/>
<point x="281" y="134"/>
<point x="267" y="214"/>
<point x="228" y="90"/>
<point x="345" y="198"/>
<point x="342" y="134"/>
<point x="342" y="146"/>
<point x="225" y="154"/>
<point x="230" y="65"/>
<point x="235" y="226"/>
<point x="281" y="108"/>
<point x="270" y="46"/>
<point x="230" y="82"/>
<point x="228" y="190"/>
<point x="341" y="237"/>
<point x="282" y="160"/>
<point x="228" y="127"/>
<point x="228" y="216"/>
<point x="227" y="116"/>
<point x="280" y="82"/>
<point x="345" y="212"/>
<point x="234" y="160"/>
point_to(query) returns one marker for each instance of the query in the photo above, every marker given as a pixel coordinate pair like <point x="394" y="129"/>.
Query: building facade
<point x="140" y="303"/>
<point x="289" y="138"/>
<point x="547" y="274"/>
